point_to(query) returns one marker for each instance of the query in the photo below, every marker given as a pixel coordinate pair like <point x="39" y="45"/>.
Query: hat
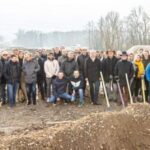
<point x="124" y="53"/>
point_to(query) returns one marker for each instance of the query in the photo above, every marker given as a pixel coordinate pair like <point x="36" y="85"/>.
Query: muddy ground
<point x="68" y="127"/>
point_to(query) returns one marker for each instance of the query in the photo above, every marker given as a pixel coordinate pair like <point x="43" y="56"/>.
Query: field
<point x="68" y="127"/>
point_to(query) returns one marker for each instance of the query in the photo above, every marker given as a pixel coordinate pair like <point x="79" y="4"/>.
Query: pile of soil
<point x="128" y="129"/>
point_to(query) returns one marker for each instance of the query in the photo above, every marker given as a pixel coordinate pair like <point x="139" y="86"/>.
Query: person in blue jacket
<point x="147" y="73"/>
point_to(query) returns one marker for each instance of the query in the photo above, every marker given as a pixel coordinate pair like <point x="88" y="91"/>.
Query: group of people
<point x="63" y="75"/>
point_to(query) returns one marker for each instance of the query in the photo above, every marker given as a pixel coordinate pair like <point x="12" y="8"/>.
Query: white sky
<point x="64" y="15"/>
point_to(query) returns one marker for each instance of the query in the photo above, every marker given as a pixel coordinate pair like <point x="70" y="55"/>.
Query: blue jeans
<point x="12" y="90"/>
<point x="80" y="92"/>
<point x="94" y="90"/>
<point x="64" y="96"/>
<point x="31" y="92"/>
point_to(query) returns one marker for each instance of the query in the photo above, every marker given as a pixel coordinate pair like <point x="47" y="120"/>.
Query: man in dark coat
<point x="81" y="63"/>
<point x="59" y="90"/>
<point x="4" y="59"/>
<point x="68" y="67"/>
<point x="122" y="67"/>
<point x="108" y="72"/>
<point x="41" y="77"/>
<point x="93" y="67"/>
<point x="12" y="73"/>
<point x="30" y="69"/>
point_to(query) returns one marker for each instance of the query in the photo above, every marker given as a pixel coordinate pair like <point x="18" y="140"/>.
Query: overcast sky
<point x="62" y="15"/>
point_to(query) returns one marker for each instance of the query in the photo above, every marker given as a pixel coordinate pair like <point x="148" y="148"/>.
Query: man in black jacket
<point x="122" y="67"/>
<point x="59" y="90"/>
<point x="77" y="86"/>
<point x="81" y="63"/>
<point x="4" y="59"/>
<point x="68" y="67"/>
<point x="92" y="73"/>
<point x="108" y="72"/>
<point x="12" y="74"/>
<point x="41" y="77"/>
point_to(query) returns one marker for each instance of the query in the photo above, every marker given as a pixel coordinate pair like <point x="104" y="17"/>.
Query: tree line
<point x="110" y="31"/>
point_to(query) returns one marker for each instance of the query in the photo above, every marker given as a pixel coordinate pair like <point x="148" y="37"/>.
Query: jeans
<point x="12" y="91"/>
<point x="64" y="96"/>
<point x="31" y="92"/>
<point x="80" y="92"/>
<point x="94" y="90"/>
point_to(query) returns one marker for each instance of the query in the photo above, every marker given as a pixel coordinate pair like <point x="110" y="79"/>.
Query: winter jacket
<point x="3" y="79"/>
<point x="12" y="72"/>
<point x="51" y="68"/>
<point x="81" y="63"/>
<point x="146" y="62"/>
<point x="30" y="69"/>
<point x="140" y="68"/>
<point x="59" y="86"/>
<point x="1" y="70"/>
<point x="147" y="72"/>
<point x="41" y="73"/>
<point x="108" y="67"/>
<point x="61" y="60"/>
<point x="76" y="83"/>
<point x="92" y="69"/>
<point x="68" y="67"/>
<point x="122" y="67"/>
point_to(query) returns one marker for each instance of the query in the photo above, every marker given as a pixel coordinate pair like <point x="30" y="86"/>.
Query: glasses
<point x="4" y="54"/>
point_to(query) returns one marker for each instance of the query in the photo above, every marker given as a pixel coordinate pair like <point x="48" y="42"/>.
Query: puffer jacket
<point x="140" y="68"/>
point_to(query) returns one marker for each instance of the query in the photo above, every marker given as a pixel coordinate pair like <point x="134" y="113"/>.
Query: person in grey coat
<point x="30" y="69"/>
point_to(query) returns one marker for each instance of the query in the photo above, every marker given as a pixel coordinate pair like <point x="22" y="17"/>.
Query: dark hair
<point x="61" y="72"/>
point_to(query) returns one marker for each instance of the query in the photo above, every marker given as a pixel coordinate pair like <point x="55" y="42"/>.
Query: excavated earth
<point x="72" y="128"/>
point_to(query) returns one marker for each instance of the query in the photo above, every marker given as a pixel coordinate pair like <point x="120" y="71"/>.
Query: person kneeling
<point x="77" y="86"/>
<point x="59" y="87"/>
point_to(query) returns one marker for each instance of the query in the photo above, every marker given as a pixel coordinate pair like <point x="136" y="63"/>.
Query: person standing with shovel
<point x="124" y="67"/>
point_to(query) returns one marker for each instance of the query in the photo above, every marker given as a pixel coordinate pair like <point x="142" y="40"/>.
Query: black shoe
<point x="34" y="102"/>
<point x="3" y="103"/>
<point x="95" y="103"/>
<point x="29" y="103"/>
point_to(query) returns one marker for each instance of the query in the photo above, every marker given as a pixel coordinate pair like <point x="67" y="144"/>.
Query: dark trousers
<point x="147" y="89"/>
<point x="31" y="92"/>
<point x="94" y="90"/>
<point x="125" y="94"/>
<point x="149" y="92"/>
<point x="137" y="86"/>
<point x="84" y="83"/>
<point x="42" y="88"/>
<point x="49" y="86"/>
<point x="3" y="92"/>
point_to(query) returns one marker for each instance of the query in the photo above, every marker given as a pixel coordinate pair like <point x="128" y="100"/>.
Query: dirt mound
<point x="125" y="130"/>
